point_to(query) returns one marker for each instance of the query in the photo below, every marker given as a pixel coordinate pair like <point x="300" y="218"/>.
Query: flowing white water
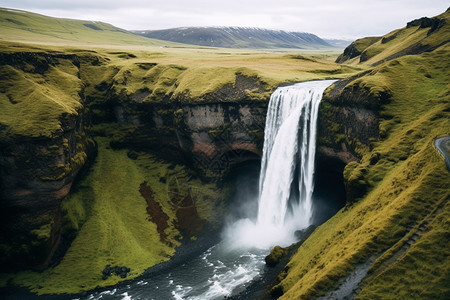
<point x="286" y="180"/>
<point x="291" y="109"/>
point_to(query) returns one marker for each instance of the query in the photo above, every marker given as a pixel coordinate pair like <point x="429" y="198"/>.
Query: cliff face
<point x="37" y="164"/>
<point x="36" y="174"/>
<point x="348" y="123"/>
<point x="209" y="137"/>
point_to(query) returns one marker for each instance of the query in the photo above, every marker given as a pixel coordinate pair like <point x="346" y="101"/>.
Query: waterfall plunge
<point x="288" y="155"/>
<point x="289" y="146"/>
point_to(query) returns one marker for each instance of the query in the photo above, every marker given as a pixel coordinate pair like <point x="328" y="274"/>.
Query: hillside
<point x="22" y="26"/>
<point x="391" y="240"/>
<point x="420" y="35"/>
<point x="238" y="37"/>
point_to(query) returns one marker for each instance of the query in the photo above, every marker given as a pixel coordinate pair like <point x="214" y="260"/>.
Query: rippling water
<point x="218" y="272"/>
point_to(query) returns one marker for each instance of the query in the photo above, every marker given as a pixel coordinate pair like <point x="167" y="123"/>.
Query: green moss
<point x="178" y="117"/>
<point x="364" y="43"/>
<point x="424" y="269"/>
<point x="275" y="256"/>
<point x="258" y="134"/>
<point x="34" y="104"/>
<point x="44" y="232"/>
<point x="221" y="133"/>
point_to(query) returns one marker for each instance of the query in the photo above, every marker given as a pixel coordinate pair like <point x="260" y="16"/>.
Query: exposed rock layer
<point x="36" y="174"/>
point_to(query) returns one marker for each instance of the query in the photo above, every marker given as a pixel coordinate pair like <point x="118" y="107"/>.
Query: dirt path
<point x="443" y="145"/>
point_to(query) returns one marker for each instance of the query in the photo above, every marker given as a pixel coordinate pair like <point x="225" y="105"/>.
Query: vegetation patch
<point x="422" y="35"/>
<point x="154" y="210"/>
<point x="34" y="100"/>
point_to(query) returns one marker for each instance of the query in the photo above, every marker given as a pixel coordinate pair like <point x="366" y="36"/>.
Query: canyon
<point x="141" y="150"/>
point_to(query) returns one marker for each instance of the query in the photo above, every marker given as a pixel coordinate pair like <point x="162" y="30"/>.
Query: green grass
<point x="113" y="227"/>
<point x="379" y="49"/>
<point x="423" y="272"/>
<point x="406" y="183"/>
<point x="33" y="102"/>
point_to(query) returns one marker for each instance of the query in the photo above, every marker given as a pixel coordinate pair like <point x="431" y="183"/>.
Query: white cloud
<point x="326" y="18"/>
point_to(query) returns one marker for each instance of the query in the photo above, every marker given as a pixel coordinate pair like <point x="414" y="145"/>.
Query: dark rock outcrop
<point x="348" y="116"/>
<point x="210" y="137"/>
<point x="36" y="174"/>
<point x="348" y="121"/>
<point x="356" y="48"/>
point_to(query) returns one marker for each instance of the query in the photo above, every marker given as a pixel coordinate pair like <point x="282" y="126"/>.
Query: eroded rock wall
<point x="348" y="124"/>
<point x="348" y="120"/>
<point x="41" y="151"/>
<point x="210" y="137"/>
<point x="36" y="174"/>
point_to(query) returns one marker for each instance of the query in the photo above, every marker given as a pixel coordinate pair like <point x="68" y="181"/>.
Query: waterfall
<point x="286" y="180"/>
<point x="288" y="154"/>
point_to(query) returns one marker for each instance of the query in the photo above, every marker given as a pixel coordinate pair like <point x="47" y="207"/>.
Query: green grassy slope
<point x="418" y="36"/>
<point x="408" y="188"/>
<point x="23" y="26"/>
<point x="36" y="95"/>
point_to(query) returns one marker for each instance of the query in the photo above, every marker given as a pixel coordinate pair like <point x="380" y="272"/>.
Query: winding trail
<point x="443" y="145"/>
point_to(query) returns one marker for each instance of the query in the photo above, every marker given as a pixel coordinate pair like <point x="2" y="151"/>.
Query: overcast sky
<point x="327" y="18"/>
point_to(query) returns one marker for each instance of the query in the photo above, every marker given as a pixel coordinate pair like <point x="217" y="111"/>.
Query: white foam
<point x="125" y="296"/>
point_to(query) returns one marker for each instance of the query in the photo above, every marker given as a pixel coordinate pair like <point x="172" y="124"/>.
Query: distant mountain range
<point x="338" y="43"/>
<point x="19" y="25"/>
<point x="240" y="37"/>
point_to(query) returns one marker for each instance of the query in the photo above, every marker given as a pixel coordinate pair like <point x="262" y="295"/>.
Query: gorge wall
<point x="39" y="162"/>
<point x="209" y="137"/>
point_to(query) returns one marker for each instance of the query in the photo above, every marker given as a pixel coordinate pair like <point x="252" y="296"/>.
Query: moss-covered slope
<point x="43" y="145"/>
<point x="421" y="35"/>
<point x="400" y="188"/>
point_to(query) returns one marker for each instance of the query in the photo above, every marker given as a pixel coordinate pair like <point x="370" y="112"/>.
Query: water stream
<point x="284" y="205"/>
